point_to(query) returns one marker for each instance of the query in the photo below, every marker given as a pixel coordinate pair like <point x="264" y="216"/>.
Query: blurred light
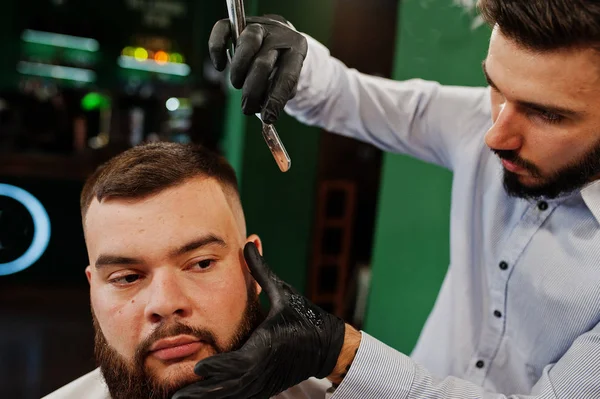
<point x="173" y="104"/>
<point x="98" y="141"/>
<point x="56" y="72"/>
<point x="58" y="40"/>
<point x="41" y="229"/>
<point x="176" y="58"/>
<point x="161" y="57"/>
<point x="167" y="68"/>
<point x="129" y="51"/>
<point x="93" y="100"/>
<point x="140" y="54"/>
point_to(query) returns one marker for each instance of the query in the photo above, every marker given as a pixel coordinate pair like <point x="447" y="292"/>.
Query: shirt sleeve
<point x="379" y="371"/>
<point x="312" y="388"/>
<point x="415" y="117"/>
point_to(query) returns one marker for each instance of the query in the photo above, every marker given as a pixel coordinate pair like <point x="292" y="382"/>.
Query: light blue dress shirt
<point x="518" y="314"/>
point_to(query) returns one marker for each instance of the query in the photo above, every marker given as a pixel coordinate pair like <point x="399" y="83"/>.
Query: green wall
<point x="280" y="206"/>
<point x="437" y="41"/>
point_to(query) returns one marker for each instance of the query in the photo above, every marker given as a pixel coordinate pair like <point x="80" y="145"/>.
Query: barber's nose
<point x="507" y="131"/>
<point x="167" y="298"/>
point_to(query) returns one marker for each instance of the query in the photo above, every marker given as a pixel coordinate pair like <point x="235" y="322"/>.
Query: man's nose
<point x="507" y="131"/>
<point x="167" y="297"/>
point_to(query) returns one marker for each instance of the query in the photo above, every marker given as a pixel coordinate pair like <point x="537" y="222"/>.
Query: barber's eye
<point x="204" y="264"/>
<point x="548" y="116"/>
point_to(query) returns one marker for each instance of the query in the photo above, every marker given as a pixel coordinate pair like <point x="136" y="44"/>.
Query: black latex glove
<point x="266" y="65"/>
<point x="297" y="340"/>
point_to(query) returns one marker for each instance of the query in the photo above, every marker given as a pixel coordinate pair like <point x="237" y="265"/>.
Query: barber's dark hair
<point x="543" y="25"/>
<point x="151" y="168"/>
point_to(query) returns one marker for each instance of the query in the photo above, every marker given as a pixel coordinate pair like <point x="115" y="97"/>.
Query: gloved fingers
<point x="188" y="392"/>
<point x="279" y="18"/>
<point x="247" y="48"/>
<point x="237" y="381"/>
<point x="257" y="82"/>
<point x="283" y="85"/>
<point x="263" y="274"/>
<point x="217" y="43"/>
<point x="269" y="19"/>
<point x="248" y="386"/>
<point x="231" y="365"/>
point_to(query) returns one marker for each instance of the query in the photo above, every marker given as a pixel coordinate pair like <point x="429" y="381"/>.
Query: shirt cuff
<point x="377" y="371"/>
<point x="314" y="76"/>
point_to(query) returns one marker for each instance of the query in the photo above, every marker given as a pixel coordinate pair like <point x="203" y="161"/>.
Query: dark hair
<point x="546" y="24"/>
<point x="151" y="168"/>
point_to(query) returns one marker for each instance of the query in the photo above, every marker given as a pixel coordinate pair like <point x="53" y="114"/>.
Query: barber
<point x="518" y="315"/>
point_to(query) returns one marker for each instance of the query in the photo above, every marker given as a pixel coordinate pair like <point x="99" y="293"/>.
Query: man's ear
<point x="256" y="240"/>
<point x="88" y="274"/>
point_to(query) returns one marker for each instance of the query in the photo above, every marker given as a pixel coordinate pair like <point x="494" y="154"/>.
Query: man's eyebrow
<point x="210" y="239"/>
<point x="110" y="260"/>
<point x="531" y="105"/>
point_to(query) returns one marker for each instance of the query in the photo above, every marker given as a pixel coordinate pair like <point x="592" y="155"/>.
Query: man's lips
<point x="511" y="167"/>
<point x="175" y="347"/>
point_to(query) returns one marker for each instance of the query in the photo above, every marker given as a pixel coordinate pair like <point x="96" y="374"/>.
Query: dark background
<point x="50" y="143"/>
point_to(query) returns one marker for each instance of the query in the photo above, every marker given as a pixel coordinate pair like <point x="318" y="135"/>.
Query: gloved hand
<point x="266" y="64"/>
<point x="297" y="340"/>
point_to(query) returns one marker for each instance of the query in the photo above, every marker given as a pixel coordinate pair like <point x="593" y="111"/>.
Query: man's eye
<point x="549" y="117"/>
<point x="204" y="264"/>
<point x="125" y="280"/>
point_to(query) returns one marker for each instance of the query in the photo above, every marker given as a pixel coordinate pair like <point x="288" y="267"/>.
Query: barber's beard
<point x="568" y="179"/>
<point x="132" y="379"/>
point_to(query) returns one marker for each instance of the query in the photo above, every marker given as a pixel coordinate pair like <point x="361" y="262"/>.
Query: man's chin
<point x="529" y="182"/>
<point x="177" y="372"/>
<point x="523" y="185"/>
<point x="170" y="371"/>
<point x="176" y="376"/>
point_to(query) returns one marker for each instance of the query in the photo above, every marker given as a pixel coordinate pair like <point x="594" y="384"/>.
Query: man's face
<point x="169" y="286"/>
<point x="546" y="114"/>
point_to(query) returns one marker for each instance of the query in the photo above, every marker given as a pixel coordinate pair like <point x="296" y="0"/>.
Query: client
<point x="169" y="285"/>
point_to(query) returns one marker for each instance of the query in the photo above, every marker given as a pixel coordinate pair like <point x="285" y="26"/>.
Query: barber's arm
<point x="420" y="118"/>
<point x="298" y="340"/>
<point x="379" y="371"/>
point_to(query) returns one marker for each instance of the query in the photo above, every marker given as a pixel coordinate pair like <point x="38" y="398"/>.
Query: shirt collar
<point x="591" y="196"/>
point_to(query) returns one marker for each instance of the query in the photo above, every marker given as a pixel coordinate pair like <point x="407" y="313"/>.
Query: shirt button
<point x="480" y="364"/>
<point x="503" y="265"/>
<point x="542" y="205"/>
<point x="497" y="313"/>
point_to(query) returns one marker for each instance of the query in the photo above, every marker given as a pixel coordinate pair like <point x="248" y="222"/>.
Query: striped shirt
<point x="518" y="314"/>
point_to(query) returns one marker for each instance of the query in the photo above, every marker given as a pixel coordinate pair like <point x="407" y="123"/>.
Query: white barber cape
<point x="92" y="386"/>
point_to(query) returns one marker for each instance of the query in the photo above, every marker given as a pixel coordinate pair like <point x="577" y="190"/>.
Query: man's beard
<point x="568" y="179"/>
<point x="134" y="381"/>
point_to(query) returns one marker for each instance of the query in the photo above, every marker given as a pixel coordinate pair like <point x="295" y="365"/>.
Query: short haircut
<point x="148" y="169"/>
<point x="544" y="25"/>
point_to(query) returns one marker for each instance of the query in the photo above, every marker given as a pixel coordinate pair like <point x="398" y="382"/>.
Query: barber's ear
<point x="256" y="240"/>
<point x="88" y="273"/>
